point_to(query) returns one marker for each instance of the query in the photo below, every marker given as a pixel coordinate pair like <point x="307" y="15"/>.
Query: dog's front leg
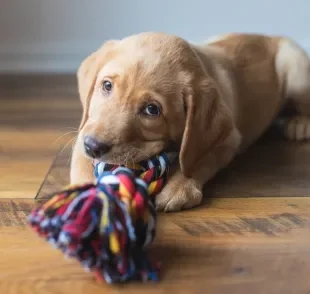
<point x="183" y="192"/>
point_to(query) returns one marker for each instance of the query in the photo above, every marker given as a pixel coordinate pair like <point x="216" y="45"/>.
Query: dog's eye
<point x="107" y="86"/>
<point x="152" y="109"/>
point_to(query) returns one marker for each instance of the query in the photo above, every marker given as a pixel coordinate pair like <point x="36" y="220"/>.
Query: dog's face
<point x="141" y="95"/>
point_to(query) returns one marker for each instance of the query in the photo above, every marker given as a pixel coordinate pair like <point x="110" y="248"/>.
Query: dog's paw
<point x="297" y="128"/>
<point x="179" y="193"/>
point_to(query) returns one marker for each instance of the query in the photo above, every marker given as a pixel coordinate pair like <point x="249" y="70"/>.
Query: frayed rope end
<point x="107" y="226"/>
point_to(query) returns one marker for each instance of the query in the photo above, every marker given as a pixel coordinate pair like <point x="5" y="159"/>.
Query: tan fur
<point x="217" y="98"/>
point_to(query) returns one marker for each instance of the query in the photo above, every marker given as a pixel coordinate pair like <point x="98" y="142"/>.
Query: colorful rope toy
<point x="107" y="225"/>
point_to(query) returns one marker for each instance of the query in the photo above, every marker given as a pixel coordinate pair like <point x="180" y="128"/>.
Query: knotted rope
<point x="107" y="225"/>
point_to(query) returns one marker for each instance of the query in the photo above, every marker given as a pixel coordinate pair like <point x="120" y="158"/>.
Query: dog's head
<point x="144" y="94"/>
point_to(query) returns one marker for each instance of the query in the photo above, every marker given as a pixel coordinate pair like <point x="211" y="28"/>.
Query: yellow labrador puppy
<point x="152" y="92"/>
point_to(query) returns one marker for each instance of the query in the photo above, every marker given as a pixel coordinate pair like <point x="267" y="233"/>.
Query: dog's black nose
<point x="94" y="148"/>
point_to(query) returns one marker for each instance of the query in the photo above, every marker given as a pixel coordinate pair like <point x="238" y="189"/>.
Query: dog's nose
<point x="95" y="148"/>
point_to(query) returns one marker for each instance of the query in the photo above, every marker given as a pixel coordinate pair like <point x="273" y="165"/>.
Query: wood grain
<point x="250" y="235"/>
<point x="38" y="117"/>
<point x="197" y="255"/>
<point x="13" y="213"/>
<point x="271" y="168"/>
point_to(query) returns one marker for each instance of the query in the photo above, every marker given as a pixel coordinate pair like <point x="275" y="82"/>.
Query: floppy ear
<point x="87" y="74"/>
<point x="208" y="124"/>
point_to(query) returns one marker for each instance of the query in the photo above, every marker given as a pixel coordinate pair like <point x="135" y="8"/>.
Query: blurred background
<point x="54" y="35"/>
<point x="42" y="43"/>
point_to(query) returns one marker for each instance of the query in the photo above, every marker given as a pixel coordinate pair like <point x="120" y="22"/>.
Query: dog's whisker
<point x="131" y="158"/>
<point x="140" y="150"/>
<point x="66" y="146"/>
<point x="71" y="152"/>
<point x="71" y="128"/>
<point x="126" y="159"/>
<point x="71" y="132"/>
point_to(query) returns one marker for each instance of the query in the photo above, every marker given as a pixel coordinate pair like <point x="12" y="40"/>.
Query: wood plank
<point x="26" y="157"/>
<point x="35" y="112"/>
<point x="40" y="112"/>
<point x="247" y="219"/>
<point x="271" y="168"/>
<point x="13" y="213"/>
<point x="57" y="177"/>
<point x="246" y="259"/>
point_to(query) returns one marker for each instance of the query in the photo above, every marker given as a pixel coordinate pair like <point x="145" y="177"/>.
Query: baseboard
<point x="54" y="57"/>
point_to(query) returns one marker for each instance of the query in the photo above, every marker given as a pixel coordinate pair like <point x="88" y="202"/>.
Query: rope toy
<point x="107" y="225"/>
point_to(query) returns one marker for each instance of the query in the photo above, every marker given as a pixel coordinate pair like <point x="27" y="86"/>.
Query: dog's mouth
<point x="171" y="151"/>
<point x="131" y="158"/>
<point x="172" y="158"/>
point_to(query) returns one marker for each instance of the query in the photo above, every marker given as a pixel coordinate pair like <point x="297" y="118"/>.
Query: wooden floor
<point x="251" y="235"/>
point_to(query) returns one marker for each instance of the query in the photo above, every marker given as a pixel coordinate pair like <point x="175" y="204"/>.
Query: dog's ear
<point x="208" y="123"/>
<point x="87" y="74"/>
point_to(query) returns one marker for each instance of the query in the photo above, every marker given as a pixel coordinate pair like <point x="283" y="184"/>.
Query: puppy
<point x="152" y="91"/>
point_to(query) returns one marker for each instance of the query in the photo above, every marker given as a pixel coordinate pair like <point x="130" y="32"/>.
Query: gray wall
<point x="54" y="35"/>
